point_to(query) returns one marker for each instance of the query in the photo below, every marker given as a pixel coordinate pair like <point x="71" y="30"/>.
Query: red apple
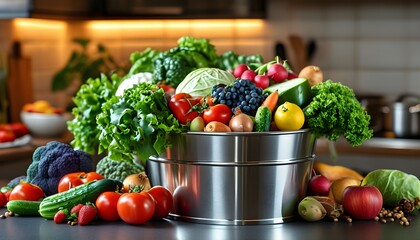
<point x="362" y="202"/>
<point x="248" y="74"/>
<point x="237" y="72"/>
<point x="262" y="81"/>
<point x="319" y="185"/>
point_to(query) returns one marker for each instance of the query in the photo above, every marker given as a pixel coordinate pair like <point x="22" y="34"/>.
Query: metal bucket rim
<point x="247" y="133"/>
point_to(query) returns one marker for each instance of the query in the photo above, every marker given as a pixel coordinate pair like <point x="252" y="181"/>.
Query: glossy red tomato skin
<point x="7" y="136"/>
<point x="106" y="204"/>
<point x="219" y="112"/>
<point x="181" y="105"/>
<point x="136" y="208"/>
<point x="164" y="201"/>
<point x="19" y="129"/>
<point x="3" y="200"/>
<point x="26" y="191"/>
<point x="77" y="178"/>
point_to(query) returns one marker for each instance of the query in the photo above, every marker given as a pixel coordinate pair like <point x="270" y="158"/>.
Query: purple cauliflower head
<point x="54" y="160"/>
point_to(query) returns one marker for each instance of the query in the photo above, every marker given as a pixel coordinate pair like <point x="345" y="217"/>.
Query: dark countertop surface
<point x="38" y="228"/>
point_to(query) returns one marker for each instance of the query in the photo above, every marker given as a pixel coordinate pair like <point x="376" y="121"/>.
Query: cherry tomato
<point x="207" y="100"/>
<point x="182" y="106"/>
<point x="7" y="136"/>
<point x="136" y="208"/>
<point x="26" y="191"/>
<point x="167" y="88"/>
<point x="163" y="199"/>
<point x="77" y="178"/>
<point x="218" y="112"/>
<point x="3" y="200"/>
<point x="106" y="204"/>
<point x="6" y="190"/>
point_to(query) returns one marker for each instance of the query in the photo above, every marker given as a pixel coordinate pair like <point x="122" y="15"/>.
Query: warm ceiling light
<point x="129" y="24"/>
<point x="39" y="23"/>
<point x="153" y="24"/>
<point x="255" y="23"/>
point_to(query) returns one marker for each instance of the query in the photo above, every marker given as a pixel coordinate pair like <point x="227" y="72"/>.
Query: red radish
<point x="237" y="72"/>
<point x="277" y="73"/>
<point x="291" y="75"/>
<point x="319" y="185"/>
<point x="248" y="74"/>
<point x="262" y="81"/>
<point x="362" y="202"/>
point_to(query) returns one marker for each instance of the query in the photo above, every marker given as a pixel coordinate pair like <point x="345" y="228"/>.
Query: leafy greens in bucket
<point x="138" y="123"/>
<point x="88" y="101"/>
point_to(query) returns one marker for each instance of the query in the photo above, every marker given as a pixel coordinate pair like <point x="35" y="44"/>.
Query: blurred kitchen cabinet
<point x="19" y="83"/>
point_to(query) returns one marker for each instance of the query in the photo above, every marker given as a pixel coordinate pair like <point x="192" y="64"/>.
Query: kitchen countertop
<point x="38" y="228"/>
<point x="13" y="153"/>
<point x="374" y="146"/>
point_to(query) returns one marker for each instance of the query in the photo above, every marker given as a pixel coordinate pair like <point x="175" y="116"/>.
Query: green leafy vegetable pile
<point x="172" y="66"/>
<point x="142" y="61"/>
<point x="229" y="60"/>
<point x="335" y="111"/>
<point x="138" y="122"/>
<point x="88" y="101"/>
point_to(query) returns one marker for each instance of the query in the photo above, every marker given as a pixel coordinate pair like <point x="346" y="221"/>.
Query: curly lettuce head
<point x="136" y="123"/>
<point x="335" y="111"/>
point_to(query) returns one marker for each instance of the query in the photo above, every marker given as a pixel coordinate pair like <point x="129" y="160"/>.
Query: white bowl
<point x="45" y="125"/>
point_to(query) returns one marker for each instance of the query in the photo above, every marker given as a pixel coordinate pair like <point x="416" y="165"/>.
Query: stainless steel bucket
<point x="235" y="178"/>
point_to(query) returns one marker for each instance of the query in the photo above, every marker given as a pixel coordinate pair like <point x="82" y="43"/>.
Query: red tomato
<point x="163" y="199"/>
<point x="106" y="204"/>
<point x="136" y="208"/>
<point x="3" y="200"/>
<point x="19" y="129"/>
<point x="77" y="178"/>
<point x="219" y="113"/>
<point x="167" y="88"/>
<point x="182" y="104"/>
<point x="26" y="191"/>
<point x="7" y="193"/>
<point x="7" y="136"/>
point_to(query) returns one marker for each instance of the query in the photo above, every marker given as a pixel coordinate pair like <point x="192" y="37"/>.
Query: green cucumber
<point x="297" y="91"/>
<point x="262" y="119"/>
<point x="87" y="192"/>
<point x="23" y="207"/>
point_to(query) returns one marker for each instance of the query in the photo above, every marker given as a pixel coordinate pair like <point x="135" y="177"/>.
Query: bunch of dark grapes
<point x="242" y="93"/>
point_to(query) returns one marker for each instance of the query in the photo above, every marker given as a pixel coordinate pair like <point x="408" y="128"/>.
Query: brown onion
<point x="313" y="74"/>
<point x="137" y="179"/>
<point x="241" y="122"/>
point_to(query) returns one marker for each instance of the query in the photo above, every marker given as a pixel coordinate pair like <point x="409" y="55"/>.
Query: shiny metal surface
<point x="406" y="119"/>
<point x="236" y="179"/>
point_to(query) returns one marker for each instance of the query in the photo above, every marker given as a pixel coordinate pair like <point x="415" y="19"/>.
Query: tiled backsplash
<point x="371" y="47"/>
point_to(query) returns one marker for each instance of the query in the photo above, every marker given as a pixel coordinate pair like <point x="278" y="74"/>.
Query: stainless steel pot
<point x="406" y="117"/>
<point x="236" y="178"/>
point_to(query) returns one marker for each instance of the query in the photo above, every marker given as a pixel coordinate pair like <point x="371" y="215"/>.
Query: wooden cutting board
<point x="19" y="83"/>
